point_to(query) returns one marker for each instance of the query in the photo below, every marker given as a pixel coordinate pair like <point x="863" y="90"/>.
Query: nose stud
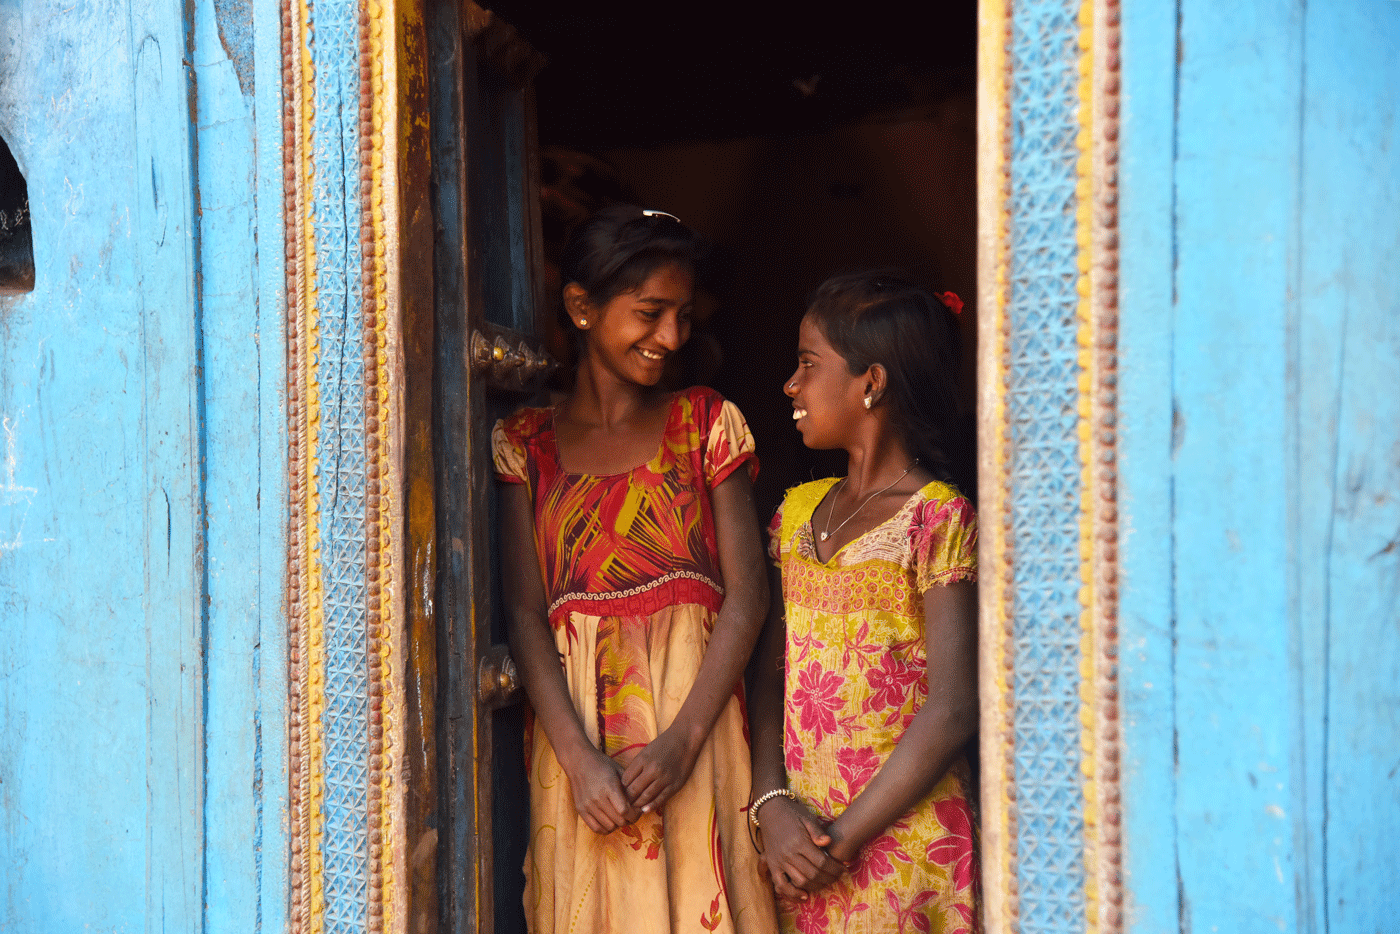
<point x="789" y="385"/>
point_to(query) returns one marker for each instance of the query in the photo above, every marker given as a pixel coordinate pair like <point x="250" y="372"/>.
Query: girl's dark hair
<point x="615" y="250"/>
<point x="876" y="317"/>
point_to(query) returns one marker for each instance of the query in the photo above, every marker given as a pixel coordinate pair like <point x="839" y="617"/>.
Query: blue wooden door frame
<point x="141" y="383"/>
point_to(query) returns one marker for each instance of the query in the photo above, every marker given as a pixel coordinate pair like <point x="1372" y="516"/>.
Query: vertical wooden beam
<point x="345" y="409"/>
<point x="1237" y="172"/>
<point x="995" y="557"/>
<point x="237" y="115"/>
<point x="1345" y="530"/>
<point x="1146" y="620"/>
<point x="1048" y="285"/>
<point x="423" y="815"/>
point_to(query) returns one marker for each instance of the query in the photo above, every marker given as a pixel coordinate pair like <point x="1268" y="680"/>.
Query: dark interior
<point x="802" y="141"/>
<point x="16" y="240"/>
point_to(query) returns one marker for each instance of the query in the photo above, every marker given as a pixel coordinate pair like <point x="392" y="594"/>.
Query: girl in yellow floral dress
<point x="866" y="697"/>
<point x="634" y="592"/>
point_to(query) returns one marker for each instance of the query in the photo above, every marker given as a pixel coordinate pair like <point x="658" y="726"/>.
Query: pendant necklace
<point x="827" y="532"/>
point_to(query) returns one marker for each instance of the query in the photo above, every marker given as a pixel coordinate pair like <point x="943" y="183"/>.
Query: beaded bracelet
<point x="760" y="802"/>
<point x="764" y="799"/>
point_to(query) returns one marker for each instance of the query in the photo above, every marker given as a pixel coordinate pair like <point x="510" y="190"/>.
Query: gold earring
<point x="583" y="322"/>
<point x="867" y="402"/>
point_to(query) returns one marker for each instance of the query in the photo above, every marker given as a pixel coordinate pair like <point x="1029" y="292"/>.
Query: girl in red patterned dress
<point x="866" y="698"/>
<point x="635" y="592"/>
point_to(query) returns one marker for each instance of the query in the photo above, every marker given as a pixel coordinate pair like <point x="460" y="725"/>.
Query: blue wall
<point x="1261" y="410"/>
<point x="142" y="493"/>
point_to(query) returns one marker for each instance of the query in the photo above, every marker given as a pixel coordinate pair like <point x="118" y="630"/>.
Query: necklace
<point x="828" y="531"/>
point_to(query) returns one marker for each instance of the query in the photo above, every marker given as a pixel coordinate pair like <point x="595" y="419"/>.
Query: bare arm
<point x="947" y="720"/>
<point x="595" y="779"/>
<point x="766" y="702"/>
<point x="663" y="766"/>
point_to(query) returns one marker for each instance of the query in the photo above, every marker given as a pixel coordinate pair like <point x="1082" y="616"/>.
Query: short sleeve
<point x="775" y="537"/>
<point x="508" y="455"/>
<point x="943" y="539"/>
<point x="729" y="446"/>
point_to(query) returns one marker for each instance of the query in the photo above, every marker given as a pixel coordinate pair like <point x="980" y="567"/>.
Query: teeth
<point x="649" y="355"/>
<point x="798" y="413"/>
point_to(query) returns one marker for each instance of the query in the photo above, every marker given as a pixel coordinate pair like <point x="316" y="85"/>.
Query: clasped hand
<point x="795" y="850"/>
<point x="608" y="796"/>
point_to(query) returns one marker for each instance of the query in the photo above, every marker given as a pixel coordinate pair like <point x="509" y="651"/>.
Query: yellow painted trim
<point x="388" y="361"/>
<point x="1084" y="237"/>
<point x="993" y="289"/>
<point x="315" y="591"/>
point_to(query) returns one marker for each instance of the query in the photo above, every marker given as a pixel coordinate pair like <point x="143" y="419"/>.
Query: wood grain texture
<point x="142" y="694"/>
<point x="100" y="527"/>
<point x="1261" y="350"/>
<point x="1344" y="325"/>
<point x="1146" y="621"/>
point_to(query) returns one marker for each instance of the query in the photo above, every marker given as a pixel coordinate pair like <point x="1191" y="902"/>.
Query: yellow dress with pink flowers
<point x="631" y="570"/>
<point x="856" y="674"/>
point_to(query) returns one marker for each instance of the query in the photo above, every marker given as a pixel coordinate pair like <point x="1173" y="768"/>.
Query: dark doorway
<point x="802" y="141"/>
<point x="16" y="234"/>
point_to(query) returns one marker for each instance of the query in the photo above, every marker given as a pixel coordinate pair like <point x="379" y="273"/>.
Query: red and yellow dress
<point x="631" y="571"/>
<point x="856" y="674"/>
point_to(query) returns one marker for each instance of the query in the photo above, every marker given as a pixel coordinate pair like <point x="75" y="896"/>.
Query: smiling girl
<point x="634" y="591"/>
<point x="866" y="697"/>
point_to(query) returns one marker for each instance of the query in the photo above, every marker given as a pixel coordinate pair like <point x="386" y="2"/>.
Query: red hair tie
<point x="952" y="301"/>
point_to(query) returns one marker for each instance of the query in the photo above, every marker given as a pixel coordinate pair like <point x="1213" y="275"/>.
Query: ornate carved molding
<point x="345" y="611"/>
<point x="1099" y="109"/>
<point x="1048" y="319"/>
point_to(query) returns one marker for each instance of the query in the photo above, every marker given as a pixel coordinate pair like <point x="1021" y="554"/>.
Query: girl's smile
<point x="633" y="333"/>
<point x="826" y="397"/>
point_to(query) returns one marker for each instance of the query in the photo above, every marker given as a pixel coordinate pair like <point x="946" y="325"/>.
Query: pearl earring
<point x="867" y="402"/>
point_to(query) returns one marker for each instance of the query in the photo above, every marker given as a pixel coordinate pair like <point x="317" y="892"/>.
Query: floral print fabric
<point x="855" y="677"/>
<point x="631" y="572"/>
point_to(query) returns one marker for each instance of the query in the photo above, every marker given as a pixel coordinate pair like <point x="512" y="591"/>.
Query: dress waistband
<point x="670" y="589"/>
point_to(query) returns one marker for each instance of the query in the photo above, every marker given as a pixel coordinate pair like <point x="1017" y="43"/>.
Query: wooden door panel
<point x="489" y="361"/>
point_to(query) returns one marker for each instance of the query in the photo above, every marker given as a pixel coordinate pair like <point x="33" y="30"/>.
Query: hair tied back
<point x="955" y="304"/>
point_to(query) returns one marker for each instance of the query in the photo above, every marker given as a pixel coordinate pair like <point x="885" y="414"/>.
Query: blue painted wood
<point x="1237" y="704"/>
<point x="242" y="323"/>
<point x="1347" y="407"/>
<point x="1146" y="618"/>
<point x="1045" y="485"/>
<point x="270" y="848"/>
<point x="1261" y="180"/>
<point x="142" y="488"/>
<point x="101" y="582"/>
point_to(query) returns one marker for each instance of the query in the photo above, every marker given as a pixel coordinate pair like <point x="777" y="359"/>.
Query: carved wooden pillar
<point x="1048" y="255"/>
<point x="344" y="401"/>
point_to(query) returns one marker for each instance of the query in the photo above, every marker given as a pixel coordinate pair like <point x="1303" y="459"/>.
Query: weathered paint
<point x="1145" y="478"/>
<point x="141" y="752"/>
<point x="1260" y="428"/>
<point x="242" y="310"/>
<point x="103" y="578"/>
<point x="1344" y="410"/>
